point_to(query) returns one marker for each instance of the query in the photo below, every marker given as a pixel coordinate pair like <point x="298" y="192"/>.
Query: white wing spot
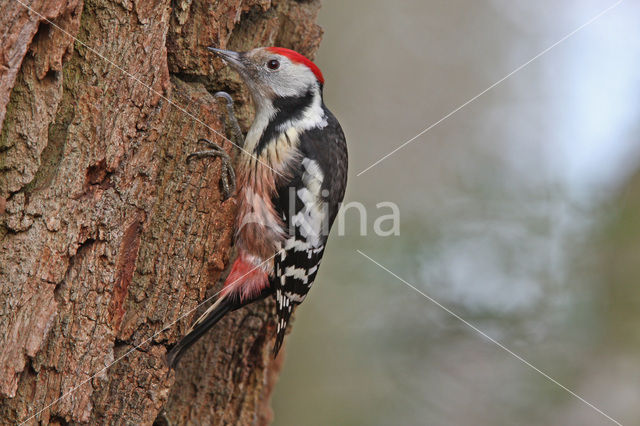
<point x="298" y="273"/>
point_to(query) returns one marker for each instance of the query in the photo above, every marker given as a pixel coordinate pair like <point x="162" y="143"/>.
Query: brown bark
<point x="107" y="234"/>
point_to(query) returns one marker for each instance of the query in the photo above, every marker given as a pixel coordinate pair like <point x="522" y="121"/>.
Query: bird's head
<point x="274" y="72"/>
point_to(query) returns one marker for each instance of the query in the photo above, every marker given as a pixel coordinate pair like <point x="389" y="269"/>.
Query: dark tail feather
<point x="278" y="343"/>
<point x="284" y="315"/>
<point x="201" y="326"/>
<point x="207" y="320"/>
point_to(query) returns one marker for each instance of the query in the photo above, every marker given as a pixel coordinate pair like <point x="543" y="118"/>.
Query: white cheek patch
<point x="313" y="116"/>
<point x="291" y="79"/>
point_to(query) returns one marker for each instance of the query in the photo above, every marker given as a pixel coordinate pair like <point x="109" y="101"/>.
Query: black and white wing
<point x="308" y="205"/>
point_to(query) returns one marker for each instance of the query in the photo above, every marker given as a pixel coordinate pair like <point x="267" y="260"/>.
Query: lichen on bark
<point x="107" y="234"/>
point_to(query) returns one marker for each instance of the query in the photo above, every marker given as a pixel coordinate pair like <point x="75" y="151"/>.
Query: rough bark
<point x="107" y="234"/>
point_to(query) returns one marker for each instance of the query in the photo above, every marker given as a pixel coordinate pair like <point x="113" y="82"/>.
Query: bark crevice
<point x="107" y="235"/>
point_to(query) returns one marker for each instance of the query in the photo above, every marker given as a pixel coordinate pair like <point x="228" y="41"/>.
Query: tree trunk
<point x="107" y="234"/>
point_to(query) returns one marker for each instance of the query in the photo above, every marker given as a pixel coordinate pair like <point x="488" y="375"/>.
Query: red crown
<point x="298" y="58"/>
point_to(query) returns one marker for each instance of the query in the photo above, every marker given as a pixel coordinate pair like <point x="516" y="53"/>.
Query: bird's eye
<point x="273" y="64"/>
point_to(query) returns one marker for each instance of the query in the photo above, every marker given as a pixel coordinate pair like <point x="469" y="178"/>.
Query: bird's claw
<point x="236" y="132"/>
<point x="224" y="95"/>
<point x="228" y="175"/>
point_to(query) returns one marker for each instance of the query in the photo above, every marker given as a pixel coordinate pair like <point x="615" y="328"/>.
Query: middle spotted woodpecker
<point x="291" y="177"/>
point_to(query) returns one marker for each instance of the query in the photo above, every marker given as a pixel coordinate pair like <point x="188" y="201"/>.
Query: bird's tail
<point x="284" y="308"/>
<point x="225" y="304"/>
<point x="207" y="320"/>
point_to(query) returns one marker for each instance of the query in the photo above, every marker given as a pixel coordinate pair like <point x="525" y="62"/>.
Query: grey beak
<point x="232" y="58"/>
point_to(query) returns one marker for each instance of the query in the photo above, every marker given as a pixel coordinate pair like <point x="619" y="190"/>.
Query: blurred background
<point x="521" y="213"/>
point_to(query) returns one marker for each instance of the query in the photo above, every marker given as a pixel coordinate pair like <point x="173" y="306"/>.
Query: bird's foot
<point x="232" y="121"/>
<point x="228" y="175"/>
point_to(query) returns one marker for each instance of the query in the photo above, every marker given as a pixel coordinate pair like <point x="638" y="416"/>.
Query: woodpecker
<point x="291" y="179"/>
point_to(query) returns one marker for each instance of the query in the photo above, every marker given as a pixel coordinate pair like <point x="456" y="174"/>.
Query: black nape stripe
<point x="287" y="108"/>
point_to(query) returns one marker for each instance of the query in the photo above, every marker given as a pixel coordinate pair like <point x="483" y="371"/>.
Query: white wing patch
<point x="310" y="219"/>
<point x="297" y="264"/>
<point x="312" y="176"/>
<point x="295" y="297"/>
<point x="297" y="245"/>
<point x="298" y="273"/>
